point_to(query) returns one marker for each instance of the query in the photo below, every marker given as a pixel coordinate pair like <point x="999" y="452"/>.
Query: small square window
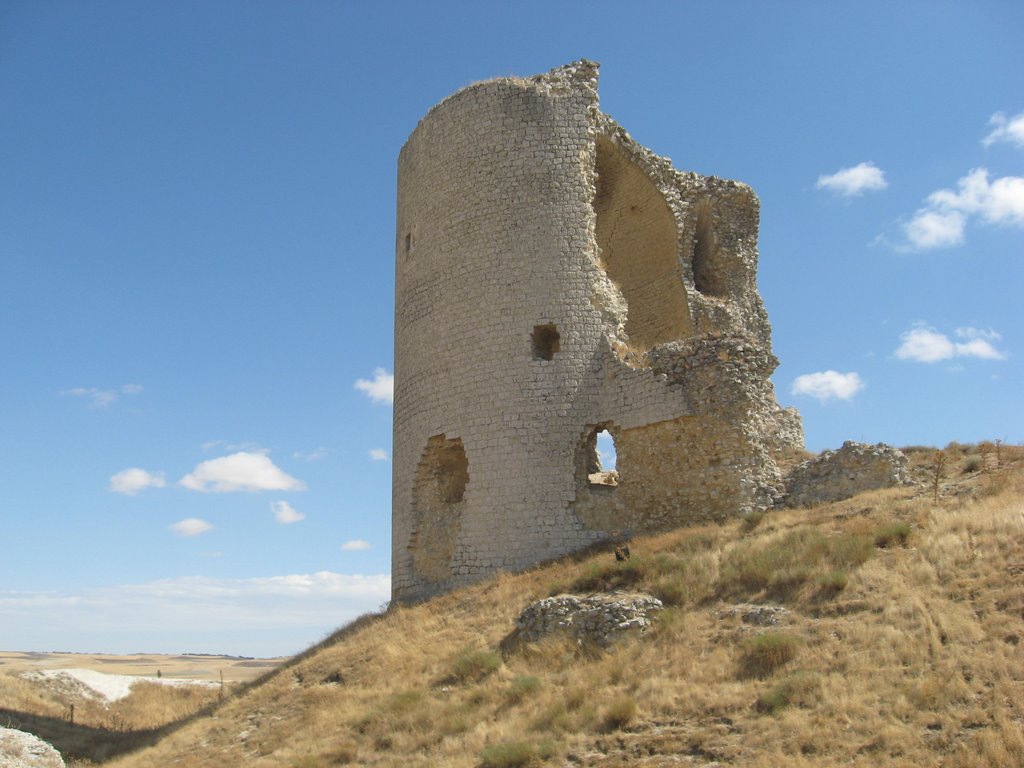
<point x="545" y="340"/>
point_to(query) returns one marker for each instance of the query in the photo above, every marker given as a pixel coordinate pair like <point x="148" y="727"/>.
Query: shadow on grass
<point x="77" y="742"/>
<point x="98" y="745"/>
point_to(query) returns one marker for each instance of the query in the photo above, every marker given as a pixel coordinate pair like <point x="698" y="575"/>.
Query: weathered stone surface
<point x="23" y="750"/>
<point x="598" y="619"/>
<point x="555" y="279"/>
<point x="853" y="469"/>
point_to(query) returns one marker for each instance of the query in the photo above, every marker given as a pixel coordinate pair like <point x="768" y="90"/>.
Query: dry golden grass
<point x="907" y="654"/>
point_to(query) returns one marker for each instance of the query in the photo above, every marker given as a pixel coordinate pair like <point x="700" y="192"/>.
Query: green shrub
<point x="832" y="583"/>
<point x="784" y="564"/>
<point x="509" y="754"/>
<point x="472" y="665"/>
<point x="799" y="688"/>
<point x="552" y="718"/>
<point x="522" y="687"/>
<point x="619" y="713"/>
<point x="849" y="550"/>
<point x="892" y="534"/>
<point x="766" y="652"/>
<point x="610" y="575"/>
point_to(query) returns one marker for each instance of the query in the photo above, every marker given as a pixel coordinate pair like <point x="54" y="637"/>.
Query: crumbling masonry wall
<point x="554" y="278"/>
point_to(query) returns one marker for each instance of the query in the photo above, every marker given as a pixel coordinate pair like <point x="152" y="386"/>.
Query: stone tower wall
<point x="548" y="284"/>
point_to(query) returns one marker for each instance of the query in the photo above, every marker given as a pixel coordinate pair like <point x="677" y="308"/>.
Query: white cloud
<point x="190" y="526"/>
<point x="131" y="389"/>
<point x="828" y="385"/>
<point x="1008" y="129"/>
<point x="356" y="545"/>
<point x="378" y="454"/>
<point x="935" y="229"/>
<point x="942" y="221"/>
<point x="850" y="182"/>
<point x="997" y="202"/>
<point x="381" y="388"/>
<point x="132" y="480"/>
<point x="285" y="513"/>
<point x="241" y="471"/>
<point x="264" y="616"/>
<point x="923" y="344"/>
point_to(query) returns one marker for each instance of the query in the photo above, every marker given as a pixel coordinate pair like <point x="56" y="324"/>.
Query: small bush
<point x="892" y="534"/>
<point x="509" y="754"/>
<point x="782" y="565"/>
<point x="973" y="463"/>
<point x="472" y="665"/>
<point x="552" y="718"/>
<point x="832" y="583"/>
<point x="849" y="550"/>
<point x="750" y="520"/>
<point x="767" y="652"/>
<point x="799" y="688"/>
<point x="522" y="687"/>
<point x="620" y="713"/>
<point x="609" y="576"/>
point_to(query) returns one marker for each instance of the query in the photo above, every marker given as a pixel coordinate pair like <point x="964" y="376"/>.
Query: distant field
<point x="189" y="667"/>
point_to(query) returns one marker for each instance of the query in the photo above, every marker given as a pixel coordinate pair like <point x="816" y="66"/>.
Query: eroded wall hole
<point x="439" y="489"/>
<point x="708" y="275"/>
<point x="545" y="341"/>
<point x="638" y="240"/>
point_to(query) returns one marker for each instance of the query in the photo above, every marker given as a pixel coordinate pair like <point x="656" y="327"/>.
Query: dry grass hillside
<point x="900" y="645"/>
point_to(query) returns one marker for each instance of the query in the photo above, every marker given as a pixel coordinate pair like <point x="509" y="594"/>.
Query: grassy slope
<point x="903" y="655"/>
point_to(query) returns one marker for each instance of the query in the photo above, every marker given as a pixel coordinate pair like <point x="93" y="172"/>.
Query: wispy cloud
<point x="224" y="445"/>
<point x="855" y="181"/>
<point x="285" y="513"/>
<point x="1006" y="129"/>
<point x="190" y="526"/>
<point x="266" y="616"/>
<point x="132" y="480"/>
<point x="315" y="455"/>
<point x="828" y="385"/>
<point x="924" y="344"/>
<point x="356" y="545"/>
<point x="242" y="471"/>
<point x="102" y="398"/>
<point x="380" y="389"/>
<point x="378" y="454"/>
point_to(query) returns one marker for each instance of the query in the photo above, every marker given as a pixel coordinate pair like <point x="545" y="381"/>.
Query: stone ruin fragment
<point x="554" y="280"/>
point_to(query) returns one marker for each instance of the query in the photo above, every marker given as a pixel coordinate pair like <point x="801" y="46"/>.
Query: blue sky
<point x="196" y="267"/>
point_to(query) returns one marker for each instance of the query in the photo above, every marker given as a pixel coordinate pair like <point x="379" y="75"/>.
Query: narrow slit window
<point x="546" y="341"/>
<point x="408" y="243"/>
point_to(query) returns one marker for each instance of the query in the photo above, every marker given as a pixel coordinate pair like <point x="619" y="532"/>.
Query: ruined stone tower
<point x="555" y="279"/>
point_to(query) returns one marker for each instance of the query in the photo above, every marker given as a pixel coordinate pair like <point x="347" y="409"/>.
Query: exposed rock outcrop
<point x="23" y="750"/>
<point x="853" y="469"/>
<point x="598" y="619"/>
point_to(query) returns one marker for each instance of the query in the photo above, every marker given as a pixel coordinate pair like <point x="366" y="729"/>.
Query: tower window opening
<point x="599" y="458"/>
<point x="546" y="341"/>
<point x="408" y="243"/>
